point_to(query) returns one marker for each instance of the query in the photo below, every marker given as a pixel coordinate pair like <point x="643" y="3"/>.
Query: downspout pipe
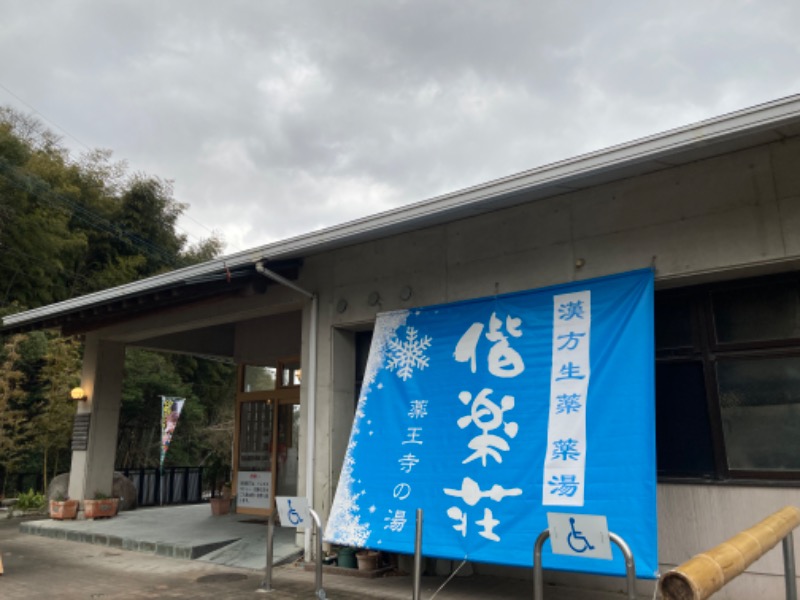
<point x="311" y="413"/>
<point x="261" y="269"/>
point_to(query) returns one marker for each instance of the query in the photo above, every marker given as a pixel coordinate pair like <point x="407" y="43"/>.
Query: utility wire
<point x="37" y="187"/>
<point x="68" y="134"/>
<point x="41" y="116"/>
<point x="453" y="574"/>
<point x="211" y="231"/>
<point x="48" y="264"/>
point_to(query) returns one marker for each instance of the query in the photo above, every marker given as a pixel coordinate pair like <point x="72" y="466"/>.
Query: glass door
<point x="266" y="444"/>
<point x="288" y="451"/>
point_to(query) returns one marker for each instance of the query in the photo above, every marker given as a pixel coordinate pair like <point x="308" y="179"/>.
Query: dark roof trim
<point x="752" y="126"/>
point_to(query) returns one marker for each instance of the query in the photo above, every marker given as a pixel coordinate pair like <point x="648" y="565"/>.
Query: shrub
<point x="30" y="500"/>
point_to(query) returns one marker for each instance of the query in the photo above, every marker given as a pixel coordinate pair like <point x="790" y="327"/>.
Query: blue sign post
<point x="489" y="414"/>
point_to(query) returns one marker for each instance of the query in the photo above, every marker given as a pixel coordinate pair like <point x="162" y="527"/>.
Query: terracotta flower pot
<point x="220" y="506"/>
<point x="367" y="560"/>
<point x="97" y="509"/>
<point x="63" y="509"/>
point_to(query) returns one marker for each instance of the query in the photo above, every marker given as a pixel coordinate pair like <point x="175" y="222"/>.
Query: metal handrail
<point x="789" y="567"/>
<point x="417" y="587"/>
<point x="266" y="583"/>
<point x="538" y="583"/>
<point x="318" y="591"/>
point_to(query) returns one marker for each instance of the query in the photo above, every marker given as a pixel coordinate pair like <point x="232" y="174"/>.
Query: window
<point x="760" y="404"/>
<point x="683" y="428"/>
<point x="757" y="313"/>
<point x="255" y="436"/>
<point x="291" y="373"/>
<point x="728" y="380"/>
<point x="259" y="379"/>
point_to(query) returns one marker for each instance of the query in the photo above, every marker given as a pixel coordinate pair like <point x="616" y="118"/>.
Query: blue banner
<point x="493" y="413"/>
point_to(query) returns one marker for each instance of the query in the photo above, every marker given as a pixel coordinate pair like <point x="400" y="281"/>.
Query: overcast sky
<point x="275" y="118"/>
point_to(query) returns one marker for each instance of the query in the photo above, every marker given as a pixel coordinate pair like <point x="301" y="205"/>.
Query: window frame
<point x="709" y="352"/>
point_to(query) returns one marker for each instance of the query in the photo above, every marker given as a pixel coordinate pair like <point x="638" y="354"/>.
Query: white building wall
<point x="727" y="217"/>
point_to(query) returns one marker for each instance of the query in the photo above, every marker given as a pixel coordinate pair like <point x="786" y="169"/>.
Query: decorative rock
<point x="58" y="487"/>
<point x="124" y="489"/>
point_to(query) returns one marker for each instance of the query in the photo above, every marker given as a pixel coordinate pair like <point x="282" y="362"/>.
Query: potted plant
<point x="368" y="560"/>
<point x="100" y="506"/>
<point x="226" y="490"/>
<point x="221" y="505"/>
<point x="62" y="508"/>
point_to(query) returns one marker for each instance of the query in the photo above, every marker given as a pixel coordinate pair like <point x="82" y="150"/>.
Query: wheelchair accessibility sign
<point x="293" y="511"/>
<point x="579" y="535"/>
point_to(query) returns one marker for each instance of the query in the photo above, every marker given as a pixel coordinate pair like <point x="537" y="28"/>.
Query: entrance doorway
<point x="266" y="444"/>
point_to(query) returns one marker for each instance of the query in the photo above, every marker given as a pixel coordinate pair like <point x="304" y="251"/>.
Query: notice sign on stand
<point x="254" y="489"/>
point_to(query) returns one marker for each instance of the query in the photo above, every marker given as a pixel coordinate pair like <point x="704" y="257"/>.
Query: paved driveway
<point x="39" y="567"/>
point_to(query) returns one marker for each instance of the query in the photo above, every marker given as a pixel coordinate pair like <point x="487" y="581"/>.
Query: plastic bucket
<point x="347" y="558"/>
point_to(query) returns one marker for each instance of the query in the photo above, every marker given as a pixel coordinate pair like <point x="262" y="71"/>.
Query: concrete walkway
<point x="189" y="532"/>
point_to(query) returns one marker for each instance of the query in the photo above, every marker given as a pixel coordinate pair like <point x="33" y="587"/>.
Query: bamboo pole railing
<point x="709" y="571"/>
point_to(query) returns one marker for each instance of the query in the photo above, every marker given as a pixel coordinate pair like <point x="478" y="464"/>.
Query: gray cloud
<point x="275" y="118"/>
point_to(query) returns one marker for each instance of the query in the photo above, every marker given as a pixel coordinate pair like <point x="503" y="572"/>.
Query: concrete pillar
<point x="92" y="469"/>
<point x="342" y="404"/>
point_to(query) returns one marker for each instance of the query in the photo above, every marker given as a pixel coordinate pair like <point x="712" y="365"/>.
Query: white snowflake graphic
<point x="344" y="524"/>
<point x="409" y="354"/>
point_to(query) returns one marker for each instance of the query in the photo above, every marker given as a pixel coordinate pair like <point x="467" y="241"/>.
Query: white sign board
<point x="579" y="535"/>
<point x="293" y="511"/>
<point x="253" y="489"/>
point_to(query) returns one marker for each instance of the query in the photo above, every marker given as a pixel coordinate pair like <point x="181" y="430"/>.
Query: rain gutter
<point x="558" y="177"/>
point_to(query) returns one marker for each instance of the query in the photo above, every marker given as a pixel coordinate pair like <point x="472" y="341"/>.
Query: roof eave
<point x="750" y="121"/>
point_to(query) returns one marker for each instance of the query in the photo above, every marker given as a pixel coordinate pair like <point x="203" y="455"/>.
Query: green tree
<point x="34" y="229"/>
<point x="148" y="376"/>
<point x="70" y="227"/>
<point x="13" y="424"/>
<point x="204" y="432"/>
<point x="207" y="437"/>
<point x="51" y="426"/>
